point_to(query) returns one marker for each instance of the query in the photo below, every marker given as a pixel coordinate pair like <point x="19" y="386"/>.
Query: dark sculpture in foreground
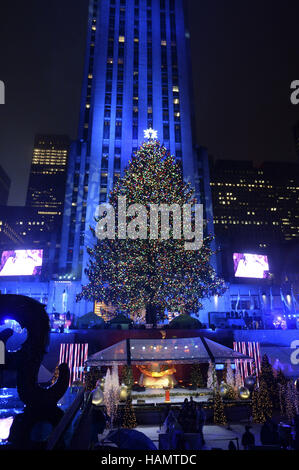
<point x="41" y="403"/>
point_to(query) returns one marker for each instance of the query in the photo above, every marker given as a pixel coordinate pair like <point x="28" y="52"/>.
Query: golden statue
<point x="163" y="334"/>
<point x="157" y="375"/>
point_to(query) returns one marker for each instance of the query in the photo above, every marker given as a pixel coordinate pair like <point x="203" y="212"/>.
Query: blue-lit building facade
<point x="137" y="76"/>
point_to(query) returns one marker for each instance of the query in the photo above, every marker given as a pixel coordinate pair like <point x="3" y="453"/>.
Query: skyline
<point x="54" y="62"/>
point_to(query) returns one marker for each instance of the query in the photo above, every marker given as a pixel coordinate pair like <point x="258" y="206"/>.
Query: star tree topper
<point x="150" y="134"/>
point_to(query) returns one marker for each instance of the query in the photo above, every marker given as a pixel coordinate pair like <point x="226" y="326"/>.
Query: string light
<point x="139" y="274"/>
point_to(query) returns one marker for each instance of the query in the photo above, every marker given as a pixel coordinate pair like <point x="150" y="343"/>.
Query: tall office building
<point x="255" y="208"/>
<point x="47" y="179"/>
<point x="296" y="137"/>
<point x="255" y="205"/>
<point x="137" y="76"/>
<point x="4" y="186"/>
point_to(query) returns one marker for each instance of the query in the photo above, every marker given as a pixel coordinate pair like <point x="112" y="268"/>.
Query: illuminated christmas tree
<point x="127" y="376"/>
<point x="267" y="375"/>
<point x="281" y="378"/>
<point x="196" y="377"/>
<point x="91" y="377"/>
<point x="230" y="380"/>
<point x="148" y="272"/>
<point x="111" y="394"/>
<point x="261" y="403"/>
<point x="291" y="401"/>
<point x="55" y="375"/>
<point x="256" y="416"/>
<point x="219" y="415"/>
<point x="238" y="380"/>
<point x="212" y="377"/>
<point x="129" y="418"/>
<point x="281" y="382"/>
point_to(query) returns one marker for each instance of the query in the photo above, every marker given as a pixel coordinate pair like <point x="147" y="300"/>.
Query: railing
<point x="58" y="433"/>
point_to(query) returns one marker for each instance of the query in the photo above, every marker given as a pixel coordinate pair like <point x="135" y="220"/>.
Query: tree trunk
<point x="151" y="314"/>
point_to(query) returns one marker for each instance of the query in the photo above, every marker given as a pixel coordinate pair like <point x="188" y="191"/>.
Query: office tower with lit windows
<point x="296" y="137"/>
<point x="47" y="179"/>
<point x="4" y="186"/>
<point x="255" y="207"/>
<point x="137" y="76"/>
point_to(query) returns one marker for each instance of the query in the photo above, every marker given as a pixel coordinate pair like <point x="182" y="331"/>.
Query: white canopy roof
<point x="176" y="350"/>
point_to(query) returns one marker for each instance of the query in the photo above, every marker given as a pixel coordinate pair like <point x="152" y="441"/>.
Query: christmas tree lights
<point x="267" y="375"/>
<point x="212" y="381"/>
<point x="129" y="418"/>
<point x="261" y="403"/>
<point x="230" y="380"/>
<point x="150" y="274"/>
<point x="219" y="415"/>
<point x="196" y="377"/>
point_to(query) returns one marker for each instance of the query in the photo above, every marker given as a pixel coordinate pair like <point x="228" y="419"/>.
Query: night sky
<point x="244" y="54"/>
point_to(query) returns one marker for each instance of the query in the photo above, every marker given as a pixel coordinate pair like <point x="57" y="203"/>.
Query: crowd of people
<point x="190" y="418"/>
<point x="271" y="434"/>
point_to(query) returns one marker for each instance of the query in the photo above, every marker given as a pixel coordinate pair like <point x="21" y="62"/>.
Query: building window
<point x="116" y="163"/>
<point x="104" y="179"/>
<point x="106" y="133"/>
<point x="104" y="164"/>
<point x="135" y="131"/>
<point x="118" y="127"/>
<point x="177" y="131"/>
<point x="166" y="132"/>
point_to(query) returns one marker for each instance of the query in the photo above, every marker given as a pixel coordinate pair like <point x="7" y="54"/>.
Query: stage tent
<point x="175" y="351"/>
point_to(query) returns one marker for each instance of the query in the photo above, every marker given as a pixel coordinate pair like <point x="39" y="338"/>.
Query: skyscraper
<point x="296" y="137"/>
<point x="255" y="209"/>
<point x="4" y="186"/>
<point x="136" y="76"/>
<point x="46" y="188"/>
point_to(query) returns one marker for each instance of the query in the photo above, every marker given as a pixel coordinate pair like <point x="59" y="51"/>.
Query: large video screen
<point x="21" y="262"/>
<point x="251" y="265"/>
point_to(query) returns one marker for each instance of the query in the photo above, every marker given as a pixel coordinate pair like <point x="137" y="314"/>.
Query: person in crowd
<point x="191" y="415"/>
<point x="284" y="436"/>
<point x="171" y="423"/>
<point x="296" y="440"/>
<point x="166" y="412"/>
<point x="192" y="404"/>
<point x="275" y="434"/>
<point x="231" y="446"/>
<point x="98" y="423"/>
<point x="248" y="439"/>
<point x="173" y="429"/>
<point x="184" y="416"/>
<point x="185" y="404"/>
<point x="267" y="432"/>
<point x="200" y="420"/>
